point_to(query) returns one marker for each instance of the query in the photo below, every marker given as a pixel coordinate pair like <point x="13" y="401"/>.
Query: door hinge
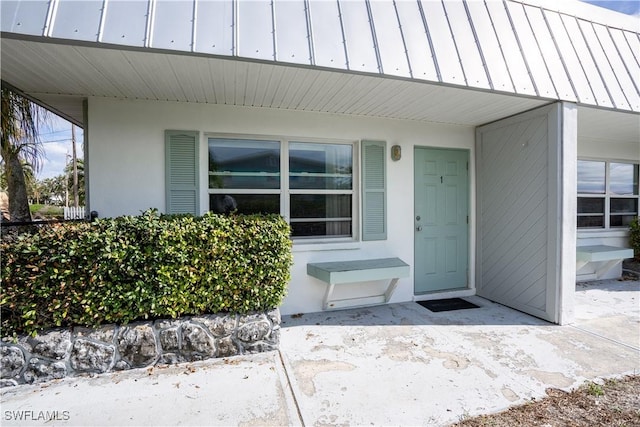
<point x="467" y="219"/>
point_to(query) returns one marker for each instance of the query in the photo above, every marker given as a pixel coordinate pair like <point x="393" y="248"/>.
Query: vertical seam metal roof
<point x="530" y="47"/>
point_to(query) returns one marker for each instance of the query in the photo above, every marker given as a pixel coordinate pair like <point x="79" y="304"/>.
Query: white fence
<point x="74" y="212"/>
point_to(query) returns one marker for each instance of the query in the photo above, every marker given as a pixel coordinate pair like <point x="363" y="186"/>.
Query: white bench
<point x="608" y="256"/>
<point x="341" y="272"/>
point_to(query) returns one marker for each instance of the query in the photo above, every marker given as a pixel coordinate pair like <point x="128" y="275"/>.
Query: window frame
<point x="606" y="196"/>
<point x="285" y="191"/>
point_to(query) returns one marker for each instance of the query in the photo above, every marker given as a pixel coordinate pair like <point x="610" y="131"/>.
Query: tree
<point x="68" y="173"/>
<point x="52" y="190"/>
<point x="19" y="142"/>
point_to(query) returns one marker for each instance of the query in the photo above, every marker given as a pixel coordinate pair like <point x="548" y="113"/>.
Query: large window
<point x="607" y="194"/>
<point x="310" y="183"/>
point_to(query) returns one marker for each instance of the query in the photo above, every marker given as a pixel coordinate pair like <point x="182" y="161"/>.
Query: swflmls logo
<point x="36" y="415"/>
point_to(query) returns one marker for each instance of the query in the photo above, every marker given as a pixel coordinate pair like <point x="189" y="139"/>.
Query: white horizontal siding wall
<point x="126" y="169"/>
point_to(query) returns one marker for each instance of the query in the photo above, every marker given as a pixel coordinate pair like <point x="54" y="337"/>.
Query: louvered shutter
<point x="182" y="178"/>
<point x="374" y="200"/>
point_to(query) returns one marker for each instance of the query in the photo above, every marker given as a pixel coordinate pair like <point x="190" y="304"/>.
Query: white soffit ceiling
<point x="63" y="75"/>
<point x="605" y="126"/>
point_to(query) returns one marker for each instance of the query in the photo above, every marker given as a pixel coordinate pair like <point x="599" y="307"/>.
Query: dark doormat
<point x="448" y="304"/>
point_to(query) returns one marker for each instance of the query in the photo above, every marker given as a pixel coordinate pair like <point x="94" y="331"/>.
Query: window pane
<point x="624" y="205"/>
<point x="621" y="220"/>
<point x="246" y="203"/>
<point x="591" y="177"/>
<point x="235" y="180"/>
<point x="320" y="206"/>
<point x="590" y="205"/>
<point x="321" y="215"/>
<point x="235" y="163"/>
<point x="624" y="178"/>
<point x="321" y="228"/>
<point x="320" y="166"/>
<point x="591" y="221"/>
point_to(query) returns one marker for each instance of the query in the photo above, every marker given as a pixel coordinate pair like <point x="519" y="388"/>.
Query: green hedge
<point x="634" y="237"/>
<point x="138" y="267"/>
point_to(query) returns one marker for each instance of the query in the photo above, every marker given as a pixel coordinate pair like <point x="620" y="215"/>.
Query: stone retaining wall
<point x="80" y="351"/>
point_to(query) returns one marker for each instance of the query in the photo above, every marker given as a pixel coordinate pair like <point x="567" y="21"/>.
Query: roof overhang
<point x="61" y="75"/>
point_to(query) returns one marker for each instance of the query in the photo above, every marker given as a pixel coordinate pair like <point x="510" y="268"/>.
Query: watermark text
<point x="30" y="415"/>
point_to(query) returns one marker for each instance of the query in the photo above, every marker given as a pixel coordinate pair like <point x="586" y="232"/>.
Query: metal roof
<point x="507" y="46"/>
<point x="394" y="59"/>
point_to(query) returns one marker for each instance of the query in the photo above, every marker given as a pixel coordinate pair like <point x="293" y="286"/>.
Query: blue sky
<point x="57" y="138"/>
<point x="627" y="7"/>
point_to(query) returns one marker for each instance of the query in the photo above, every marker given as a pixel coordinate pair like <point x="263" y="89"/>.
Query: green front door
<point x="441" y="219"/>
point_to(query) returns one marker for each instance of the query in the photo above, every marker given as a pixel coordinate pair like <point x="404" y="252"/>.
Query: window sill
<point x="602" y="233"/>
<point x="324" y="246"/>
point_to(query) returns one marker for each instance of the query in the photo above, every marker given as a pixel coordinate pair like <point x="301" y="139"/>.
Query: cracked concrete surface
<point x="393" y="364"/>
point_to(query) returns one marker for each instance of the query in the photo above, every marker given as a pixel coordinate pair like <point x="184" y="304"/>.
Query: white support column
<point x="567" y="195"/>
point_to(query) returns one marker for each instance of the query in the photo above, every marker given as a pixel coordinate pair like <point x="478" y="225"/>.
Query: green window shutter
<point x="181" y="169"/>
<point x="374" y="186"/>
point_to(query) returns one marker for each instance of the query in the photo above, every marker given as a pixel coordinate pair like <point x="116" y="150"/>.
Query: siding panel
<point x="490" y="47"/>
<point x="173" y="25"/>
<point x="125" y="23"/>
<point x="513" y="211"/>
<point x="549" y="51"/>
<point x="78" y="20"/>
<point x="516" y="63"/>
<point x="446" y="52"/>
<point x="531" y="50"/>
<point x="579" y="43"/>
<point x="604" y="67"/>
<point x="416" y="40"/>
<point x="570" y="58"/>
<point x="214" y="27"/>
<point x="24" y="17"/>
<point x="255" y="30"/>
<point x="623" y="78"/>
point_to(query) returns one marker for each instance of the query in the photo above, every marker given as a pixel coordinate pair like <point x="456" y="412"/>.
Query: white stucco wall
<point x="126" y="172"/>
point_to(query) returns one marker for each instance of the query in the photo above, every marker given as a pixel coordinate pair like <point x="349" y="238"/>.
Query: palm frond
<point x="21" y="120"/>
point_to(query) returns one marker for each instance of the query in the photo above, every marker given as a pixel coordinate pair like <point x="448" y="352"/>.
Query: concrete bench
<point x="607" y="256"/>
<point x="342" y="272"/>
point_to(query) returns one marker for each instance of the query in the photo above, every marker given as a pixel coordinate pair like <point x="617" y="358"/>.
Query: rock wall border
<point x="78" y="351"/>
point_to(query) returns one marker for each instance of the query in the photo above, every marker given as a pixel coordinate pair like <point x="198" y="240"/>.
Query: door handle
<point x="419" y="228"/>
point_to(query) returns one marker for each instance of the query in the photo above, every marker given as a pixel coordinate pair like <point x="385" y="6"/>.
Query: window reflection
<point x="321" y="228"/>
<point x="320" y="205"/>
<point x="244" y="164"/>
<point x="613" y="194"/>
<point x="320" y="166"/>
<point x="624" y="178"/>
<point x="591" y="177"/>
<point x="245" y="204"/>
<point x="316" y="195"/>
<point x="591" y="205"/>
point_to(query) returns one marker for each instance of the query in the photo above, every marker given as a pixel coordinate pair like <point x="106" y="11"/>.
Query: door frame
<point x="469" y="290"/>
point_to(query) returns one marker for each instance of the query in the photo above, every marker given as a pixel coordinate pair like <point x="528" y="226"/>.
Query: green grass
<point x="595" y="389"/>
<point x="47" y="211"/>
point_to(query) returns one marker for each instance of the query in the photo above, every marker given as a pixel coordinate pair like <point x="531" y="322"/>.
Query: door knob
<point x="419" y="228"/>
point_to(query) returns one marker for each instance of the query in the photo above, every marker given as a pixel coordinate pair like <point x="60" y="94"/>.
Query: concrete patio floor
<point x="394" y="364"/>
